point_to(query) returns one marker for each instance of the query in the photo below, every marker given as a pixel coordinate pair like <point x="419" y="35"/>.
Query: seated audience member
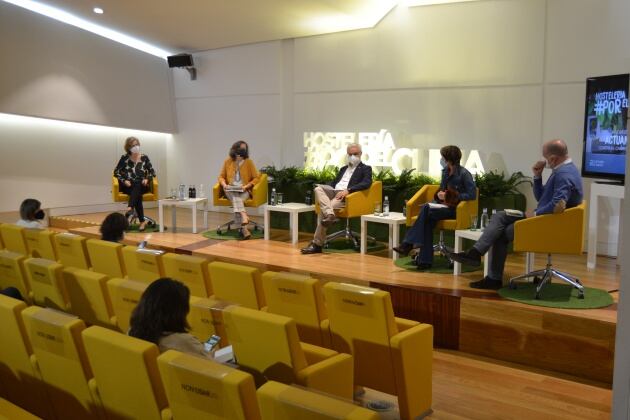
<point x="134" y="173"/>
<point x="160" y="317"/>
<point x="31" y="214"/>
<point x="457" y="185"/>
<point x="113" y="227"/>
<point x="355" y="176"/>
<point x="562" y="190"/>
<point x="12" y="292"/>
<point x="237" y="178"/>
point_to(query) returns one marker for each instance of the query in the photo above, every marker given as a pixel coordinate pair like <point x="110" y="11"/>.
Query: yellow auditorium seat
<point x="40" y="243"/>
<point x="284" y="402"/>
<point x="71" y="250"/>
<point x="203" y="389"/>
<point x="206" y="319"/>
<point x="299" y="297"/>
<point x="10" y="411"/>
<point x="237" y="284"/>
<point x="192" y="271"/>
<point x="60" y="356"/>
<point x="391" y="355"/>
<point x="267" y="345"/>
<point x="89" y="297"/>
<point x="12" y="273"/>
<point x="46" y="281"/>
<point x="126" y="375"/>
<point x="13" y="238"/>
<point x="143" y="264"/>
<point x="464" y="210"/>
<point x="20" y="381"/>
<point x="125" y="295"/>
<point x="106" y="257"/>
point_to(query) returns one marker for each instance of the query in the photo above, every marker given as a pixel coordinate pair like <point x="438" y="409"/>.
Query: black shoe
<point x="313" y="248"/>
<point x="403" y="249"/>
<point x="424" y="266"/>
<point x="470" y="257"/>
<point x="486" y="283"/>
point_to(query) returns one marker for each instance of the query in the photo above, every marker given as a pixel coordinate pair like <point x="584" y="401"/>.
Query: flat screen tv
<point x="606" y="127"/>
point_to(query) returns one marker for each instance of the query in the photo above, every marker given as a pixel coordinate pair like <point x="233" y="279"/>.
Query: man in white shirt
<point x="355" y="176"/>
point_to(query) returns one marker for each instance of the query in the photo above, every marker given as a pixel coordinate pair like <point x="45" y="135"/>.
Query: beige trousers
<point x="327" y="205"/>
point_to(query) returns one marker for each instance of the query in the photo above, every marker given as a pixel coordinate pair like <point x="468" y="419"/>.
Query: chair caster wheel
<point x="512" y="286"/>
<point x="581" y="295"/>
<point x="219" y="232"/>
<point x="537" y="296"/>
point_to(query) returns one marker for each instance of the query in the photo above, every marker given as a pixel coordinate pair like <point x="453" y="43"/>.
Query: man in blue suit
<point x="355" y="176"/>
<point x="562" y="190"/>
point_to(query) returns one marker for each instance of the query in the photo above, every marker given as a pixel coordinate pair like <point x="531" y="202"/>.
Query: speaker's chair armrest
<point x="260" y="190"/>
<point x="362" y="202"/>
<point x="422" y="196"/>
<point x="464" y="210"/>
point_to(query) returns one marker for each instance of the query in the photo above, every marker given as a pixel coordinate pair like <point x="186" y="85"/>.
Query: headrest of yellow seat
<point x="143" y="264"/>
<point x="265" y="342"/>
<point x="192" y="271"/>
<point x="294" y="295"/>
<point x="237" y="283"/>
<point x="197" y="387"/>
<point x="363" y="312"/>
<point x="12" y="271"/>
<point x="125" y="295"/>
<point x="106" y="257"/>
<point x="71" y="250"/>
<point x="13" y="237"/>
<point x="287" y="402"/>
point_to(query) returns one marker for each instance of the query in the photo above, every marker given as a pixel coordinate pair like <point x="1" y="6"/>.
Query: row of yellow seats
<point x="57" y="368"/>
<point x="374" y="337"/>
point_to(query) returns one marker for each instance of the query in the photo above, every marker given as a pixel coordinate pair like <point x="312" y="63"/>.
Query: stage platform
<point x="579" y="343"/>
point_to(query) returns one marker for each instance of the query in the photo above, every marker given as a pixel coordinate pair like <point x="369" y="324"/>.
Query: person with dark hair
<point x="456" y="185"/>
<point x="562" y="190"/>
<point x="12" y="292"/>
<point x="134" y="173"/>
<point x="31" y="214"/>
<point x="113" y="227"/>
<point x="160" y="317"/>
<point x="237" y="178"/>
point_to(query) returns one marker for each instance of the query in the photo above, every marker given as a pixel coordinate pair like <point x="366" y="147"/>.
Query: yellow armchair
<point x="357" y="204"/>
<point x="561" y="233"/>
<point x="257" y="199"/>
<point x="118" y="196"/>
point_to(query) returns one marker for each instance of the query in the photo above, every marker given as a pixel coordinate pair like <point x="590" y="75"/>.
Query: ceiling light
<point x="98" y="10"/>
<point x="70" y="19"/>
<point x="413" y="3"/>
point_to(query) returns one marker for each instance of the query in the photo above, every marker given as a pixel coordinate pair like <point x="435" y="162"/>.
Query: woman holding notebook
<point x="237" y="178"/>
<point x="457" y="185"/>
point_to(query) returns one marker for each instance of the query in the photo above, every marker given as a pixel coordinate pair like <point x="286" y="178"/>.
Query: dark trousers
<point x="135" y="192"/>
<point x="421" y="233"/>
<point x="498" y="235"/>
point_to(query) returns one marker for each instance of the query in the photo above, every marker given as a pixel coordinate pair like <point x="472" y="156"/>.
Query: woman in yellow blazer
<point x="238" y="177"/>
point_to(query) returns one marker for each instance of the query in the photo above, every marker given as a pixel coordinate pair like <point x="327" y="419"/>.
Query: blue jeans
<point x="421" y="233"/>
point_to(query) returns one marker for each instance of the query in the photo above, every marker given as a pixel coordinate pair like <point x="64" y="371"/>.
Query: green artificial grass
<point x="558" y="295"/>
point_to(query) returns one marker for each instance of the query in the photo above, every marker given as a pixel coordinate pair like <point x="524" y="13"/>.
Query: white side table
<point x="474" y="235"/>
<point x="602" y="190"/>
<point x="294" y="209"/>
<point x="394" y="220"/>
<point x="191" y="203"/>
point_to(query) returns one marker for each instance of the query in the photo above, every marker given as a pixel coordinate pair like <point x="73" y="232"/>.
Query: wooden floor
<point x="465" y="386"/>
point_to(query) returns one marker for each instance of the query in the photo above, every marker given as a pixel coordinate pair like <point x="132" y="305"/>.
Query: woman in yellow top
<point x="238" y="177"/>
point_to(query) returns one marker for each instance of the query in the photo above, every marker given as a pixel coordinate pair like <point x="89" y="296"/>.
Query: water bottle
<point x="405" y="208"/>
<point x="494" y="212"/>
<point x="201" y="192"/>
<point x="309" y="199"/>
<point x="182" y="192"/>
<point x="273" y="197"/>
<point x="484" y="219"/>
<point x="194" y="192"/>
<point x="386" y="207"/>
<point x="190" y="191"/>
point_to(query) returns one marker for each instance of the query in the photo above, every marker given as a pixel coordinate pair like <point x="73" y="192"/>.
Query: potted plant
<point x="498" y="192"/>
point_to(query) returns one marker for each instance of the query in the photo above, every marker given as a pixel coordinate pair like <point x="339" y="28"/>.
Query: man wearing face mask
<point x="355" y="176"/>
<point x="456" y="185"/>
<point x="31" y="214"/>
<point x="134" y="173"/>
<point x="562" y="190"/>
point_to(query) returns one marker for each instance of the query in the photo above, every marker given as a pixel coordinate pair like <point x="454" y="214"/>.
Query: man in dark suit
<point x="355" y="176"/>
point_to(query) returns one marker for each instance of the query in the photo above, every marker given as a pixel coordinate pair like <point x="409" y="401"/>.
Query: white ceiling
<point x="196" y="25"/>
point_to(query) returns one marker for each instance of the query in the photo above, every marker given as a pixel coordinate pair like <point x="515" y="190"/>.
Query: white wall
<point x="54" y="70"/>
<point x="65" y="164"/>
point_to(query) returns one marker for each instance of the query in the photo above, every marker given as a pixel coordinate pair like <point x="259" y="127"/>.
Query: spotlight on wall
<point x="183" y="61"/>
<point x="98" y="10"/>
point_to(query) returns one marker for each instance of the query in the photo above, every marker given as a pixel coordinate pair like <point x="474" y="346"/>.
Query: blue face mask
<point x="443" y="163"/>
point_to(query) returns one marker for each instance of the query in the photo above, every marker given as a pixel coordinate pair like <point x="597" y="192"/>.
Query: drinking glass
<point x="279" y="198"/>
<point x="473" y="222"/>
<point x="377" y="209"/>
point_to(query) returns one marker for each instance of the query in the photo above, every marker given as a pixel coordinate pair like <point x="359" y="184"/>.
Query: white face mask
<point x="443" y="163"/>
<point x="353" y="160"/>
<point x="135" y="149"/>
